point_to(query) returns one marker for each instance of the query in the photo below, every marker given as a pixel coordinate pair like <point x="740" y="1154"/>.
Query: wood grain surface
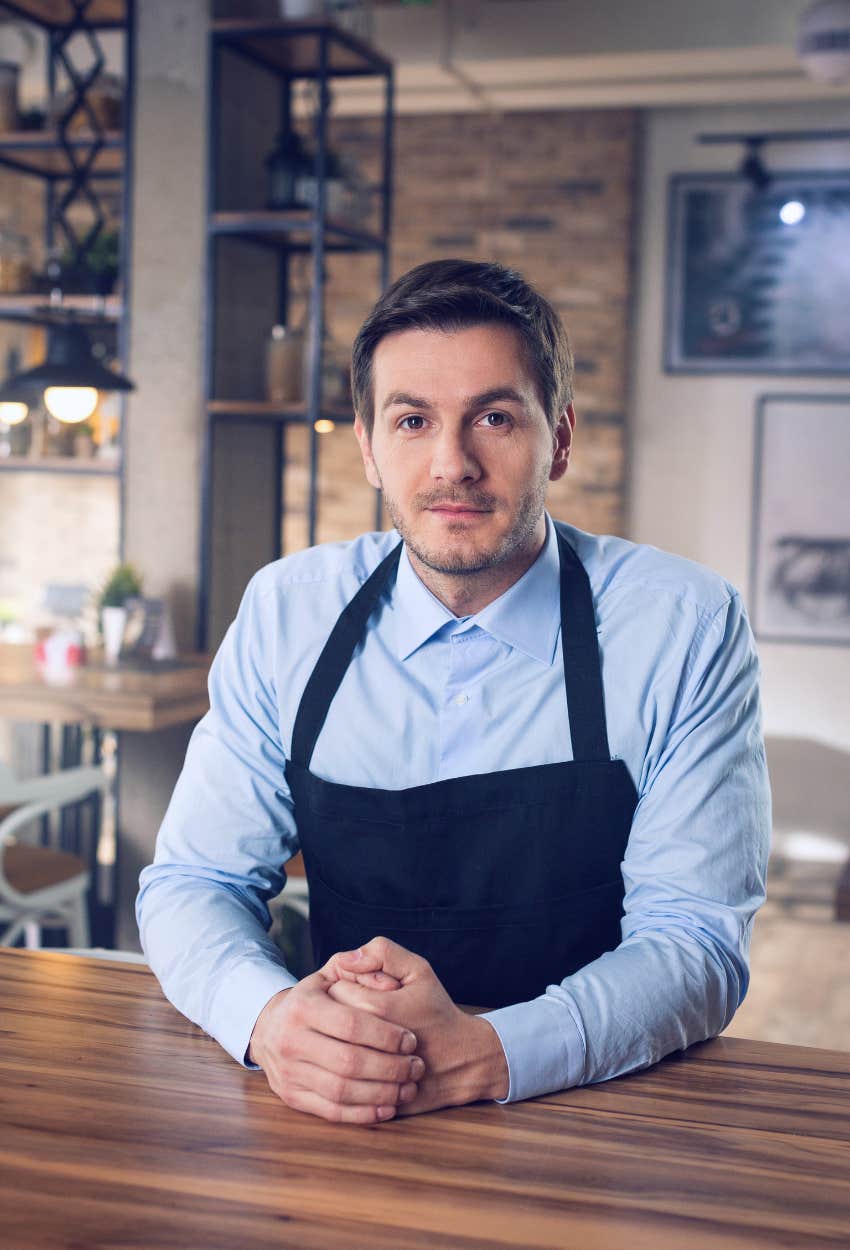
<point x="117" y="698"/>
<point x="123" y="1126"/>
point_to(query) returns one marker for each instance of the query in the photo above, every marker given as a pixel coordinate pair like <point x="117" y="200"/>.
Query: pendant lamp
<point x="70" y="377"/>
<point x="16" y="400"/>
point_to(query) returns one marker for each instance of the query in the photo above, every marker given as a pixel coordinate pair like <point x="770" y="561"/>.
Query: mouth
<point x="456" y="509"/>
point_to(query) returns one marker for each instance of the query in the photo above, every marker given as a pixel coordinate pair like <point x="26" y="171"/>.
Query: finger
<point x="363" y="1028"/>
<point x="316" y="1104"/>
<point x="347" y="1091"/>
<point x="362" y="998"/>
<point x="392" y="958"/>
<point x="349" y="963"/>
<point x="360" y="1062"/>
<point x="377" y="980"/>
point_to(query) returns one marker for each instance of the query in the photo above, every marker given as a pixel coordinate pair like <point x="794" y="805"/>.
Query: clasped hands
<point x="371" y="1035"/>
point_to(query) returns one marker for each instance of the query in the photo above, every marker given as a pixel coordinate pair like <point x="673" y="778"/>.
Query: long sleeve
<point x="201" y="907"/>
<point x="694" y="875"/>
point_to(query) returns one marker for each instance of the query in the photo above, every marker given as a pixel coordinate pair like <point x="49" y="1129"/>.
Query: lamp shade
<point x="69" y="363"/>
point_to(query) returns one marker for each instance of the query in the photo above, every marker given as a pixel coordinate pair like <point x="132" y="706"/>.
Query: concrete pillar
<point x="164" y="416"/>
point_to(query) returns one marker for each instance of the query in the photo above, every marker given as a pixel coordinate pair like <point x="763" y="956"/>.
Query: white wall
<point x="691" y="455"/>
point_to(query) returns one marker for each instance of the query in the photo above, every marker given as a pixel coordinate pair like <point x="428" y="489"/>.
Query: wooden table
<point x="124" y="1126"/>
<point x="114" y="699"/>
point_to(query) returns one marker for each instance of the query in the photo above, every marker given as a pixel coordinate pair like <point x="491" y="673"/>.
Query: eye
<point x="409" y="423"/>
<point x="495" y="420"/>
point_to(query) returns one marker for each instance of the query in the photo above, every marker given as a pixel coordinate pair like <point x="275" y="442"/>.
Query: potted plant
<point x="123" y="583"/>
<point x="95" y="273"/>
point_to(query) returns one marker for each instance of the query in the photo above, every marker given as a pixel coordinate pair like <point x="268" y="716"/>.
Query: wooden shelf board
<point x="59" y="464"/>
<point x="293" y="47"/>
<point x="24" y="302"/>
<point x="264" y="409"/>
<point x="42" y="152"/>
<point x="283" y="224"/>
<point x="38" y="140"/>
<point x="61" y="12"/>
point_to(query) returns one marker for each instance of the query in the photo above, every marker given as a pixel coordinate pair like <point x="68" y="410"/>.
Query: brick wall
<point x="549" y="193"/>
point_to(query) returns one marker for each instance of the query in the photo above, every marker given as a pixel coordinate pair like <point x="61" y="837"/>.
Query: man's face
<point x="461" y="447"/>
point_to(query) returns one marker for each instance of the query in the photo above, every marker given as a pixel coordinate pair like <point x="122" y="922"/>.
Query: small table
<point x="106" y="701"/>
<point x="109" y="698"/>
<point x="124" y="1126"/>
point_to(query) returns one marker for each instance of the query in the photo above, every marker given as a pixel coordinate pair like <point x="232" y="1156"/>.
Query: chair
<point x="38" y="885"/>
<point x="810" y="852"/>
<point x="295" y="894"/>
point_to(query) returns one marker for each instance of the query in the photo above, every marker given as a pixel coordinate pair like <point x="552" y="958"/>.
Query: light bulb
<point x="13" y="413"/>
<point x="70" y="404"/>
<point x="324" y="426"/>
<point x="792" y="212"/>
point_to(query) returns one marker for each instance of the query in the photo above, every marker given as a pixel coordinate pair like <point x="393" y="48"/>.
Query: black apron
<point x="506" y="882"/>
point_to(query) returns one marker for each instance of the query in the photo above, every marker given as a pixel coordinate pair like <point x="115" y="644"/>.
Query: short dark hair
<point x="451" y="295"/>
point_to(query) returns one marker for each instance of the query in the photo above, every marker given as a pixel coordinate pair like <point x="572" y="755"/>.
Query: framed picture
<point x="758" y="281"/>
<point x="800" y="568"/>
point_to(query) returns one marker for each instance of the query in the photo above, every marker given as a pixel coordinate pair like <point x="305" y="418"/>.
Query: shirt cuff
<point x="240" y="1001"/>
<point x="543" y="1044"/>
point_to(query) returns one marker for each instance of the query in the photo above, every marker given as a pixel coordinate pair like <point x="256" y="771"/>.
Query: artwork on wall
<point x="800" y="584"/>
<point x="758" y="280"/>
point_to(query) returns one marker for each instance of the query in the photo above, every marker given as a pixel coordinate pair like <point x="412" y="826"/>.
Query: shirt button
<point x="460" y="699"/>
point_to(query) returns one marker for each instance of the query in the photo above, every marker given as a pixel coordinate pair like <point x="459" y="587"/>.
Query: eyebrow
<point x="493" y="396"/>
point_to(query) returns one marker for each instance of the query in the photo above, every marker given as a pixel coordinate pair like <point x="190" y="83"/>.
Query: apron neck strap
<point x="336" y="657"/>
<point x="582" y="661"/>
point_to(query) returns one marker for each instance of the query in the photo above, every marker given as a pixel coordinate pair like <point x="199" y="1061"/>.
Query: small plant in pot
<point x="123" y="583"/>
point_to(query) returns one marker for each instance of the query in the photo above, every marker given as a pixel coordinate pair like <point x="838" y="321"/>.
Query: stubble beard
<point x="468" y="563"/>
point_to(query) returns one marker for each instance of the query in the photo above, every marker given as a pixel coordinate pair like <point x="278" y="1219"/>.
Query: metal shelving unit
<point x="258" y="63"/>
<point x="68" y="163"/>
<point x="75" y="164"/>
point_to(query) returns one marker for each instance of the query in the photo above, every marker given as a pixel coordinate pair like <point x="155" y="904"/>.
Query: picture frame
<point x="748" y="292"/>
<point x="800" y="544"/>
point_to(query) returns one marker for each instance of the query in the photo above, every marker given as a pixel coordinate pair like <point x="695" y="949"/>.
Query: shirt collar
<point x="527" y="616"/>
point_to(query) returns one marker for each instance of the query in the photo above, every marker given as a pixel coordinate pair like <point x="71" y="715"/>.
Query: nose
<point x="453" y="459"/>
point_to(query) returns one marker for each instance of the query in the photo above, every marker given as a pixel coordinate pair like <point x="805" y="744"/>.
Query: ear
<point x="563" y="441"/>
<point x="372" y="475"/>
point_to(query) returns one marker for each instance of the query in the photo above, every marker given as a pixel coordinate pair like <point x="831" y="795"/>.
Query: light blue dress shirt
<point x="430" y="696"/>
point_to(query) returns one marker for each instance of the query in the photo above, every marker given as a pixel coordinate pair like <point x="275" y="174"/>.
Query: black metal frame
<point x="673" y="359"/>
<point x="78" y="179"/>
<point x="763" y="403"/>
<point x="275" y="231"/>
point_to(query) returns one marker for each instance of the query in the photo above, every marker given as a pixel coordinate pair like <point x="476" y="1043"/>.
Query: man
<point x="524" y="763"/>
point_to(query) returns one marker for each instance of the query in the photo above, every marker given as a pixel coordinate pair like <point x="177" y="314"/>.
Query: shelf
<point x="293" y="227"/>
<point x="59" y="464"/>
<point x="28" y="306"/>
<point x="264" y="410"/>
<point x="53" y="13"/>
<point x="294" y="48"/>
<point x="39" y="152"/>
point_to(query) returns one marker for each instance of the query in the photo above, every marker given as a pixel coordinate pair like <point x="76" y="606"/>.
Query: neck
<point x="466" y="593"/>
